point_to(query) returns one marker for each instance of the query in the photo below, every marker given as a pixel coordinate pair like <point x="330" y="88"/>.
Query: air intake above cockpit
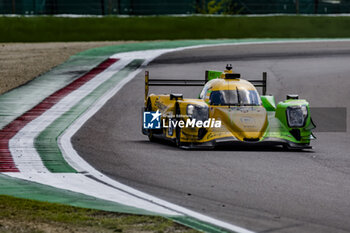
<point x="232" y="76"/>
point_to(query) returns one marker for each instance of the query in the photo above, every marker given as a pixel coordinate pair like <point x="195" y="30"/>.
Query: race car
<point x="228" y="112"/>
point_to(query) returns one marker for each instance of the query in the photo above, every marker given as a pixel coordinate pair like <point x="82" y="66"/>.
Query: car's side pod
<point x="148" y="103"/>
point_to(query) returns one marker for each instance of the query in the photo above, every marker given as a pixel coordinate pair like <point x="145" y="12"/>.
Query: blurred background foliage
<point x="177" y="7"/>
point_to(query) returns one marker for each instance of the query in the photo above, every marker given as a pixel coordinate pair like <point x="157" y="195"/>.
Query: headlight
<point x="296" y="116"/>
<point x="190" y="109"/>
<point x="200" y="113"/>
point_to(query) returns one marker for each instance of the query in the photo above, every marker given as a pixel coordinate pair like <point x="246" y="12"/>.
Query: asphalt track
<point x="264" y="190"/>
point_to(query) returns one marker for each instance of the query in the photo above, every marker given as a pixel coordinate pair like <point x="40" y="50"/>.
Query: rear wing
<point x="170" y="82"/>
<point x="209" y="75"/>
<point x="261" y="83"/>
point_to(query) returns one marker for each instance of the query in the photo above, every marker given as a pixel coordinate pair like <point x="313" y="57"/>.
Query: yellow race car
<point x="229" y="111"/>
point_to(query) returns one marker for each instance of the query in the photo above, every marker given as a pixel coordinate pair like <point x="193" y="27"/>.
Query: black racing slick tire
<point x="151" y="137"/>
<point x="178" y="136"/>
<point x="151" y="132"/>
<point x="149" y="109"/>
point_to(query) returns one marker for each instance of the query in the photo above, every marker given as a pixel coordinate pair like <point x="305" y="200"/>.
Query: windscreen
<point x="235" y="97"/>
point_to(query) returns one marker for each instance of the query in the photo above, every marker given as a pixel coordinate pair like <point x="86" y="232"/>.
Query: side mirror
<point x="292" y="97"/>
<point x="176" y="96"/>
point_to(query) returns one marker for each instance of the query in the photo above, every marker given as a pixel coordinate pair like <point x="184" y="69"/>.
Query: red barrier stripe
<point x="6" y="162"/>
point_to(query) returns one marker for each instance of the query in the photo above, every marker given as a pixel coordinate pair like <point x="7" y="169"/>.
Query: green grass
<point x="46" y="28"/>
<point x="22" y="215"/>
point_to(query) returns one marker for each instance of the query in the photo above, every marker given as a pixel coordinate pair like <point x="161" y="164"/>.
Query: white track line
<point x="79" y="183"/>
<point x="22" y="146"/>
<point x="28" y="161"/>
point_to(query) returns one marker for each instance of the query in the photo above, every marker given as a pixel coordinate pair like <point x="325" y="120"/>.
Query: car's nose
<point x="245" y="123"/>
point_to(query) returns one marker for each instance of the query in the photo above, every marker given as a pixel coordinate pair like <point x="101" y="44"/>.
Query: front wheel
<point x="149" y="109"/>
<point x="151" y="132"/>
<point x="178" y="136"/>
<point x="151" y="136"/>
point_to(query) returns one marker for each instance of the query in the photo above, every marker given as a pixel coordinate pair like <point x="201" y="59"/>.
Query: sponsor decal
<point x="191" y="123"/>
<point x="151" y="120"/>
